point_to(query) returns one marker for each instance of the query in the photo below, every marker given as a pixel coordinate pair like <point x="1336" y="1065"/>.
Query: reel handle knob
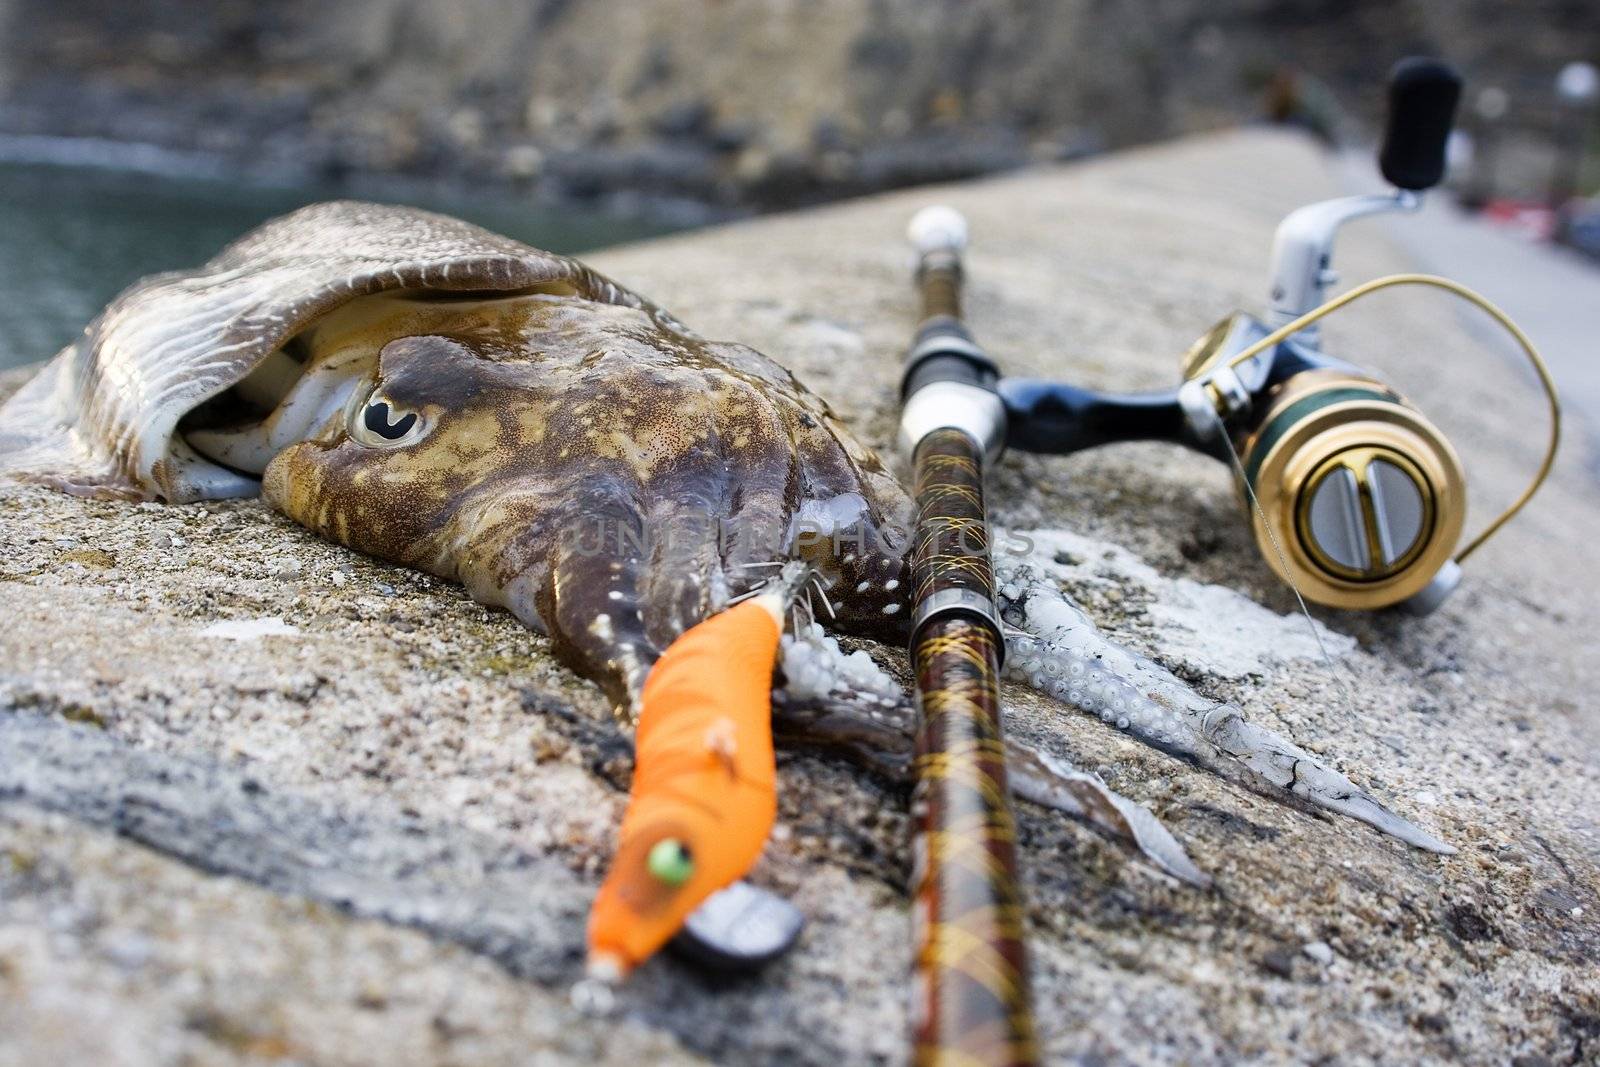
<point x="1423" y="94"/>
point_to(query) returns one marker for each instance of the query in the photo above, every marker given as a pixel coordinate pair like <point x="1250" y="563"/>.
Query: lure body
<point x="704" y="784"/>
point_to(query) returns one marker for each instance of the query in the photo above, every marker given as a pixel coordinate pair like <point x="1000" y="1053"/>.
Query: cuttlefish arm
<point x="846" y="705"/>
<point x="591" y="595"/>
<point x="637" y="561"/>
<point x="1063" y="654"/>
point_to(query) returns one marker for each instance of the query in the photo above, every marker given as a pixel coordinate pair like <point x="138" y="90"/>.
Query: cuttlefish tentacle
<point x="845" y="705"/>
<point x="1067" y="657"/>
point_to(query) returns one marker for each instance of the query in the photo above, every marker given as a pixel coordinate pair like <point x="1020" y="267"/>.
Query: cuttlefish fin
<point x="245" y="448"/>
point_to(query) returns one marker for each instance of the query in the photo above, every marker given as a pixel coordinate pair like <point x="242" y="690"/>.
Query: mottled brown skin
<point x="577" y="460"/>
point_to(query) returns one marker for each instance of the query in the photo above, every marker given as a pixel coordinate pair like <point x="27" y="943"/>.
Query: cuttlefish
<point x="447" y="399"/>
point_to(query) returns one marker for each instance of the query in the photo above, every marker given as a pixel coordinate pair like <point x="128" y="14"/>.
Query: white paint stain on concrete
<point x="1210" y="628"/>
<point x="250" y="629"/>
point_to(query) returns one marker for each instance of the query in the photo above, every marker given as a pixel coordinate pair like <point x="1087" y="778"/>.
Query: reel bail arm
<point x="1302" y="251"/>
<point x="1423" y="94"/>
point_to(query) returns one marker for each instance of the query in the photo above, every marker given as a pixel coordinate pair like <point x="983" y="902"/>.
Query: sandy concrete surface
<point x="369" y="833"/>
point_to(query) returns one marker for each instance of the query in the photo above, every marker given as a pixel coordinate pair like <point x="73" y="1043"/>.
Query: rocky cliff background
<point x="744" y="102"/>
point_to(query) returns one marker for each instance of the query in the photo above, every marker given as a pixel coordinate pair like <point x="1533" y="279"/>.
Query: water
<point x="71" y="238"/>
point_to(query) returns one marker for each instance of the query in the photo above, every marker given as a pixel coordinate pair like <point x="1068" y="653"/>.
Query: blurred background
<point x="137" y="137"/>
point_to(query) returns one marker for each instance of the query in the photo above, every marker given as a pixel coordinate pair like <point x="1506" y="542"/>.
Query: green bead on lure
<point x="670" y="862"/>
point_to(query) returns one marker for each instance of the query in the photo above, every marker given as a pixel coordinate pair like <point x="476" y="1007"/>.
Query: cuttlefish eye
<point x="670" y="862"/>
<point x="379" y="423"/>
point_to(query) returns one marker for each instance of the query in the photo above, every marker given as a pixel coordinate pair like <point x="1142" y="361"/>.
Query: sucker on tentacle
<point x="1068" y="658"/>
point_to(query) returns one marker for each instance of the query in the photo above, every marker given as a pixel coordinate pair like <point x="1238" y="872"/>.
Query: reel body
<point x="1359" y="500"/>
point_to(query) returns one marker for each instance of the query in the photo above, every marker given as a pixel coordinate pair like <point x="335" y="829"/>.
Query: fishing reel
<point x="1356" y="499"/>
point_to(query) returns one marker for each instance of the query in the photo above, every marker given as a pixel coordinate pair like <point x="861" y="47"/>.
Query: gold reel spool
<point x="1360" y="500"/>
<point x="1365" y="497"/>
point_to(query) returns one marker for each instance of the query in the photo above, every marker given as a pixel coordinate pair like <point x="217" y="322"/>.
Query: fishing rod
<point x="971" y="1000"/>
<point x="1357" y="501"/>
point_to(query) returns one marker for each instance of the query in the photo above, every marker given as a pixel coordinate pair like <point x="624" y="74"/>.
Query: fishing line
<point x="1283" y="562"/>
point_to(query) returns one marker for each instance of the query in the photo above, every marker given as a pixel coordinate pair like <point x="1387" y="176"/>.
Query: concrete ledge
<point x="378" y="833"/>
